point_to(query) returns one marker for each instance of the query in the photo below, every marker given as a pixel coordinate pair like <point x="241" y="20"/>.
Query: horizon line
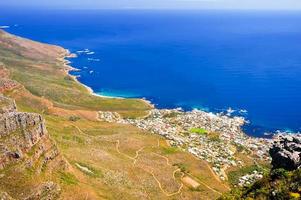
<point x="150" y="9"/>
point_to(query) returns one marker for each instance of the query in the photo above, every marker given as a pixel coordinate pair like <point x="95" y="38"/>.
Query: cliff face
<point x="286" y="152"/>
<point x="11" y="121"/>
<point x="6" y="84"/>
<point x="19" y="132"/>
<point x="24" y="144"/>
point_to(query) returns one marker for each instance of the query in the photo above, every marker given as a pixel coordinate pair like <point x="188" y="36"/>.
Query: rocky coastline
<point x="223" y="139"/>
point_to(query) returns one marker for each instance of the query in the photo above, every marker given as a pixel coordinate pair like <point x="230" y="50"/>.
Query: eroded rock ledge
<point x="6" y="84"/>
<point x="286" y="152"/>
<point x="19" y="133"/>
<point x="24" y="142"/>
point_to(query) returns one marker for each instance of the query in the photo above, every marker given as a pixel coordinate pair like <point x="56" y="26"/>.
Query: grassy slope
<point x="107" y="161"/>
<point x="44" y="74"/>
<point x="278" y="184"/>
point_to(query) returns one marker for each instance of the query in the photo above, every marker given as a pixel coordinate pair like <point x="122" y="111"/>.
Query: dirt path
<point x="204" y="184"/>
<point x="117" y="149"/>
<point x="173" y="175"/>
<point x="153" y="175"/>
<point x="162" y="190"/>
<point x="79" y="130"/>
<point x="164" y="157"/>
<point x="216" y="177"/>
<point x="136" y="157"/>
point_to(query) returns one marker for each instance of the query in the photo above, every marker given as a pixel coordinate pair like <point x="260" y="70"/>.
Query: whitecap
<point x="230" y="111"/>
<point x="243" y="111"/>
<point x="94" y="59"/>
<point x="268" y="134"/>
<point x="4" y="27"/>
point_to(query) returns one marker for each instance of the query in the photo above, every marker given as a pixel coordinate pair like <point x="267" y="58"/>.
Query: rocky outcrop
<point x="45" y="191"/>
<point x="24" y="142"/>
<point x="286" y="152"/>
<point x="7" y="85"/>
<point x="6" y="106"/>
<point x="21" y="133"/>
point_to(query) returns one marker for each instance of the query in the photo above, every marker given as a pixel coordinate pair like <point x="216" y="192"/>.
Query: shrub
<point x="279" y="174"/>
<point x="68" y="78"/>
<point x="74" y="118"/>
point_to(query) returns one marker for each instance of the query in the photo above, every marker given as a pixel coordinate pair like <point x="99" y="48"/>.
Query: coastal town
<point x="215" y="138"/>
<point x="150" y="100"/>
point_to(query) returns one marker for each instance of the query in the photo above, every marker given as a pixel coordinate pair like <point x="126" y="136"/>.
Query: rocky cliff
<point x="284" y="179"/>
<point x="286" y="152"/>
<point x="24" y="144"/>
<point x="19" y="133"/>
<point x="6" y="84"/>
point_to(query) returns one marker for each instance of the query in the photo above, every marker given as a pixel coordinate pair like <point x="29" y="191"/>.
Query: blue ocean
<point x="211" y="60"/>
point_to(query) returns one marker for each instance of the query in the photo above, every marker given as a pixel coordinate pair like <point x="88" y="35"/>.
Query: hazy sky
<point x="156" y="4"/>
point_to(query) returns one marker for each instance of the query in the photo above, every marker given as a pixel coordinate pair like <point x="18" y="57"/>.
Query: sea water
<point x="211" y="60"/>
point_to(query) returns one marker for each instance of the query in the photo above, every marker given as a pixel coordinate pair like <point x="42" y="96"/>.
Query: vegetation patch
<point x="279" y="184"/>
<point x="200" y="131"/>
<point x="172" y="115"/>
<point x="89" y="170"/>
<point x="74" y="118"/>
<point x="239" y="148"/>
<point x="234" y="176"/>
<point x="170" y="150"/>
<point x="182" y="166"/>
<point x="68" y="178"/>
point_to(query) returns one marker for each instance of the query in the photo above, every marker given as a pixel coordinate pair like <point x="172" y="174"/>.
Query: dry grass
<point x="126" y="163"/>
<point x="130" y="161"/>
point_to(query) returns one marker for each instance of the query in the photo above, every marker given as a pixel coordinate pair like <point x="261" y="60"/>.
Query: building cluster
<point x="248" y="179"/>
<point x="218" y="144"/>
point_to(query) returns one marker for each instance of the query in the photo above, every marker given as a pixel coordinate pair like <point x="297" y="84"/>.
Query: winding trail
<point x="164" y="157"/>
<point x="201" y="182"/>
<point x="136" y="157"/>
<point x="130" y="157"/>
<point x="162" y="190"/>
<point x="216" y="177"/>
<point x="79" y="130"/>
<point x="117" y="149"/>
<point x="153" y="175"/>
<point x="207" y="186"/>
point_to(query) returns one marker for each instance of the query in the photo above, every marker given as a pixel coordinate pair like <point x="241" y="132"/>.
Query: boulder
<point x="286" y="152"/>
